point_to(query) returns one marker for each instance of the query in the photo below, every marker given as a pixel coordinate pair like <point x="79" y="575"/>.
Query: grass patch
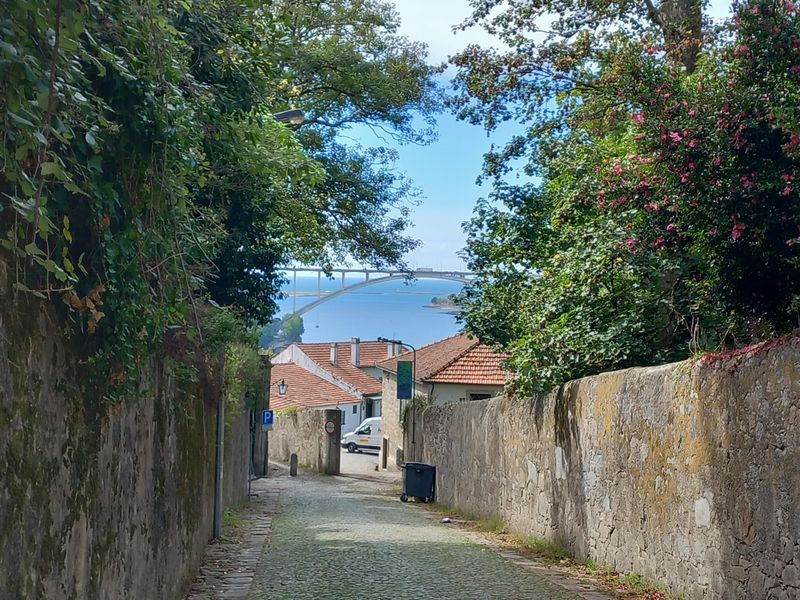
<point x="491" y="525"/>
<point x="649" y="589"/>
<point x="553" y="550"/>
<point x="231" y="518"/>
<point x="631" y="585"/>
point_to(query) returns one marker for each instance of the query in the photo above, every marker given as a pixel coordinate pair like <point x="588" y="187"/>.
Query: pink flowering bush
<point x="667" y="220"/>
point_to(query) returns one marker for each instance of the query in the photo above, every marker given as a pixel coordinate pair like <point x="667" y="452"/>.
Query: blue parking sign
<point x="267" y="417"/>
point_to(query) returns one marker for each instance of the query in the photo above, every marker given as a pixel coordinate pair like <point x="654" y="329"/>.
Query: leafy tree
<point x="143" y="169"/>
<point x="292" y="329"/>
<point x="666" y="218"/>
<point x="342" y="63"/>
<point x="552" y="51"/>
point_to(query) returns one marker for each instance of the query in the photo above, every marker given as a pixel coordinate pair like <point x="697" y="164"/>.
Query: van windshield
<point x="366" y="430"/>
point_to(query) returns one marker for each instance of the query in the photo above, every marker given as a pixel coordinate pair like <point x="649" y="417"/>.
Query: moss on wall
<point x="98" y="501"/>
<point x="685" y="473"/>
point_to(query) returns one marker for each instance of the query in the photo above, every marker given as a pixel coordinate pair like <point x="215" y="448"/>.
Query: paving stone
<point x="346" y="539"/>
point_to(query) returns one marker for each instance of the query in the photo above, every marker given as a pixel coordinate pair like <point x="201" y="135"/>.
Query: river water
<point x="393" y="309"/>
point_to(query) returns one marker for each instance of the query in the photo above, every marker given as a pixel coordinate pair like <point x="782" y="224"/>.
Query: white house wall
<point x="444" y="393"/>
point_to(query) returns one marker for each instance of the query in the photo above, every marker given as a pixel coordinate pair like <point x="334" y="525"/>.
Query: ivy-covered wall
<point x="100" y="500"/>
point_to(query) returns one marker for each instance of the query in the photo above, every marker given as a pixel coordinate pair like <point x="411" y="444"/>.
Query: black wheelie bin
<point x="419" y="481"/>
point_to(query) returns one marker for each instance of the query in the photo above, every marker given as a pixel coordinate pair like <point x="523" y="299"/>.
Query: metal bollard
<point x="293" y="465"/>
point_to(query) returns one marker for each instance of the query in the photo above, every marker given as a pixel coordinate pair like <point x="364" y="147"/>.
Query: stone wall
<point x="99" y="500"/>
<point x="685" y="473"/>
<point x="301" y="433"/>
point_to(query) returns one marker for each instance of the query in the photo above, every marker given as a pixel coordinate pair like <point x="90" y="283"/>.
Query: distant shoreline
<point x="449" y="308"/>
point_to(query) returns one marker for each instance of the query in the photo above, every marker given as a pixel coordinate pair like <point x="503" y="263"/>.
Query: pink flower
<point x="638" y="117"/>
<point x="692" y="112"/>
<point x="786" y="191"/>
<point x="671" y="227"/>
<point x="738" y="228"/>
<point x="786" y="177"/>
<point x="675" y="136"/>
<point x="776" y="30"/>
<point x="630" y="243"/>
<point x="790" y="6"/>
<point x="742" y="49"/>
<point x="692" y="143"/>
<point x="651" y="50"/>
<point x="684" y="177"/>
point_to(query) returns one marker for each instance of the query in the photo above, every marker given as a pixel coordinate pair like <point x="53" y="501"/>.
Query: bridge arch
<point x="460" y="277"/>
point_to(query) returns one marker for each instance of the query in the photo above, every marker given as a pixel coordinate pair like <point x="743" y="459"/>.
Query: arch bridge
<point x="371" y="279"/>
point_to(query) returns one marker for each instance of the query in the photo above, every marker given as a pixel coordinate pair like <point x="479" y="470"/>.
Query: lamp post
<point x="413" y="384"/>
<point x="294" y="117"/>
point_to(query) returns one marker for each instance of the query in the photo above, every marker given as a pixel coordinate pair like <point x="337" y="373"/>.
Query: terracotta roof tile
<point x="480" y="365"/>
<point x="344" y="369"/>
<point x="457" y="359"/>
<point x="305" y="390"/>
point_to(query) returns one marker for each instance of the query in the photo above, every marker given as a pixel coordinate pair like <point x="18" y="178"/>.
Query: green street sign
<point x="404" y="379"/>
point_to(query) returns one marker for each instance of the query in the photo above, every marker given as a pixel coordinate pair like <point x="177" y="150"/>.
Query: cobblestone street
<point x="349" y="538"/>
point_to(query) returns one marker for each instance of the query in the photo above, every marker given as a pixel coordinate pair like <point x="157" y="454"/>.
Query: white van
<point x="367" y="436"/>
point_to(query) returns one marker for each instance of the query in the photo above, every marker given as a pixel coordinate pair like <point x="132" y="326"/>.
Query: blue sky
<point x="446" y="170"/>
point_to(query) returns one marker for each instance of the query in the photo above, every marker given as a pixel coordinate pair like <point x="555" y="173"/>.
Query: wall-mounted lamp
<point x="283" y="387"/>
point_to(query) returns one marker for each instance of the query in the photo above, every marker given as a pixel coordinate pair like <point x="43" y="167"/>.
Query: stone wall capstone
<point x="685" y="473"/>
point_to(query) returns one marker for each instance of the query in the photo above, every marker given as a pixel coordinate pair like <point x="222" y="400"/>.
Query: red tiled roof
<point x="372" y="353"/>
<point x="457" y="359"/>
<point x="480" y="365"/>
<point x="305" y="390"/>
<point x="344" y="369"/>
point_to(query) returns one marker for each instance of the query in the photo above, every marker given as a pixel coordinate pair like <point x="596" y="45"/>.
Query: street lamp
<point x="294" y="117"/>
<point x="413" y="384"/>
<point x="283" y="387"/>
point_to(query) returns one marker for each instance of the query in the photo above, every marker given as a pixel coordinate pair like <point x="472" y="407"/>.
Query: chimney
<point x="334" y="353"/>
<point x="355" y="351"/>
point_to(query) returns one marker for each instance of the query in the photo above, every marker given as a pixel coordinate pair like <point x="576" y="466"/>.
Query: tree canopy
<point x="663" y="216"/>
<point x="144" y="173"/>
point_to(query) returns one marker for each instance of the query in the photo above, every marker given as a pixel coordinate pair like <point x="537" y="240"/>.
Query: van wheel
<point x="351" y="447"/>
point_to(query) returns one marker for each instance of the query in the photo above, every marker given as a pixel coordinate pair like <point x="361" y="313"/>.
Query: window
<point x="344" y="416"/>
<point x="479" y="395"/>
<point x="355" y="409"/>
<point x="366" y="430"/>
